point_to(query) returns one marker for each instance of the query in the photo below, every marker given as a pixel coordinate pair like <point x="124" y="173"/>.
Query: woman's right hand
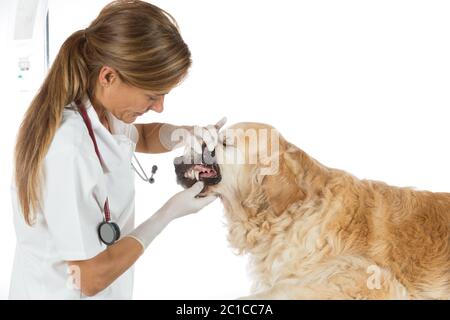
<point x="181" y="204"/>
<point x="185" y="202"/>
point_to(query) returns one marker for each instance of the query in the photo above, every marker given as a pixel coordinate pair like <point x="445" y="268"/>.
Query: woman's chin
<point x="134" y="116"/>
<point x="129" y="119"/>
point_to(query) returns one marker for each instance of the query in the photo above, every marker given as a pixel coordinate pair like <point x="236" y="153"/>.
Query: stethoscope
<point x="144" y="176"/>
<point x="109" y="231"/>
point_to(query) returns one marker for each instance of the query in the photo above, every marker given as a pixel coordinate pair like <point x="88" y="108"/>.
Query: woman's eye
<point x="152" y="98"/>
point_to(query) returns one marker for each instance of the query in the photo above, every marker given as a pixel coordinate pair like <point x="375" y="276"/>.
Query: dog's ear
<point x="273" y="184"/>
<point x="281" y="188"/>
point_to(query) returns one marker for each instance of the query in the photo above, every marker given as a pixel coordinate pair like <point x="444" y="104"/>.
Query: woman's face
<point x="125" y="102"/>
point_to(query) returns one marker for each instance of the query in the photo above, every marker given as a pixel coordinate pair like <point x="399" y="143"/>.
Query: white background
<point x="359" y="85"/>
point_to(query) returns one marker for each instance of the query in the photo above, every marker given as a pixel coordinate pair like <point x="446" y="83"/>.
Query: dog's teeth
<point x="197" y="175"/>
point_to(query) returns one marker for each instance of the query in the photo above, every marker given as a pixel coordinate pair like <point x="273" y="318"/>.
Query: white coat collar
<point x="112" y="154"/>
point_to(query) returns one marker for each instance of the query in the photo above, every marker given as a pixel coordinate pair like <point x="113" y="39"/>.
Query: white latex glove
<point x="190" y="137"/>
<point x="185" y="202"/>
<point x="179" y="205"/>
<point x="208" y="134"/>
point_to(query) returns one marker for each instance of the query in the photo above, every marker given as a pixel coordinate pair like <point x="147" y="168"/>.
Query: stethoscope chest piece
<point x="108" y="232"/>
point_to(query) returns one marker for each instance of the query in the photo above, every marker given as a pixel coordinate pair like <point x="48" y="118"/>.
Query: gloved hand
<point x="208" y="134"/>
<point x="191" y="137"/>
<point x="185" y="202"/>
<point x="179" y="205"/>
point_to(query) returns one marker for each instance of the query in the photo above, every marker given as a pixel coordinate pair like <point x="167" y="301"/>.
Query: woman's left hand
<point x="209" y="135"/>
<point x="190" y="137"/>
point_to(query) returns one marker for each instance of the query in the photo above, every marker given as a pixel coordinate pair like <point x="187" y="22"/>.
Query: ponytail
<point x="66" y="81"/>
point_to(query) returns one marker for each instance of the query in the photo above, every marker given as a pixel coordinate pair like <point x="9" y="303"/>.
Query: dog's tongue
<point x="205" y="172"/>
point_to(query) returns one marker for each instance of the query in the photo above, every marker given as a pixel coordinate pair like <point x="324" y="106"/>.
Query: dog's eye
<point x="223" y="141"/>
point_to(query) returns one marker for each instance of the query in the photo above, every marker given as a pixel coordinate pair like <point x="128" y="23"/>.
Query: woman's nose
<point x="159" y="105"/>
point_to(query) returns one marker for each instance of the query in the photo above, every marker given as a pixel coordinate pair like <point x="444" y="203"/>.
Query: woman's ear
<point x="107" y="76"/>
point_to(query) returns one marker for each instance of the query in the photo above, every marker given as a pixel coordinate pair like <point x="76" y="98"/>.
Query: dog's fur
<point x="313" y="232"/>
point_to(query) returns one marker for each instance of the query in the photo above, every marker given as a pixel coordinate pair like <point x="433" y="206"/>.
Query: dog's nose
<point x="178" y="160"/>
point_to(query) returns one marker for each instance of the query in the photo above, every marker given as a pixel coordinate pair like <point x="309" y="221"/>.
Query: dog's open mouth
<point x="200" y="172"/>
<point x="205" y="169"/>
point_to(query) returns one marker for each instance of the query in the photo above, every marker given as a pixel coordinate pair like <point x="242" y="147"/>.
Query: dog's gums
<point x="199" y="171"/>
<point x="206" y="170"/>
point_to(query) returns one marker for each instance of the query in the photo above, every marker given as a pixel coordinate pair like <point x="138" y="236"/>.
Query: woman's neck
<point x="102" y="114"/>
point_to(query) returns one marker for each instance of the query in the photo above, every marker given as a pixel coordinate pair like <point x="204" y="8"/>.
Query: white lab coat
<point x="75" y="186"/>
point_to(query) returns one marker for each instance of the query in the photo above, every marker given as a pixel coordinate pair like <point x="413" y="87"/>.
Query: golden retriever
<point x="314" y="232"/>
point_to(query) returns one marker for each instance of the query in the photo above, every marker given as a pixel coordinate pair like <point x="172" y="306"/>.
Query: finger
<point x="197" y="145"/>
<point x="210" y="137"/>
<point x="221" y="122"/>
<point x="211" y="146"/>
<point x="187" y="150"/>
<point x="200" y="135"/>
<point x="197" y="187"/>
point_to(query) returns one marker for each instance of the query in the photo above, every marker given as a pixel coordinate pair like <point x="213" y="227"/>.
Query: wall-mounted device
<point x="30" y="37"/>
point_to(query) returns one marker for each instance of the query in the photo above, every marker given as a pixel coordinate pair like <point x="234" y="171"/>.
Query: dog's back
<point x="409" y="232"/>
<point x="404" y="231"/>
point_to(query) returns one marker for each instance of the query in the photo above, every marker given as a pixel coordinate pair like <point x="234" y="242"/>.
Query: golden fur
<point x="314" y="232"/>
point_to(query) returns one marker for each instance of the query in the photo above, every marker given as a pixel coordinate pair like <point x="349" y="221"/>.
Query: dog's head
<point x="251" y="165"/>
<point x="194" y="167"/>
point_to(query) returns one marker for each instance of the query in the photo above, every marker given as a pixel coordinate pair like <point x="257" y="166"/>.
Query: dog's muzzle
<point x="197" y="167"/>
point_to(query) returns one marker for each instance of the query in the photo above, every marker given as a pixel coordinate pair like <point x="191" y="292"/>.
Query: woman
<point x="73" y="192"/>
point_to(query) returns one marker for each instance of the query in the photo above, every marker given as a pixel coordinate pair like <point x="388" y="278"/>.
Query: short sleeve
<point x="73" y="198"/>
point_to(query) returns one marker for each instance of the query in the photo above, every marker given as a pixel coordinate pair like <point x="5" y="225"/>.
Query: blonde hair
<point x="137" y="39"/>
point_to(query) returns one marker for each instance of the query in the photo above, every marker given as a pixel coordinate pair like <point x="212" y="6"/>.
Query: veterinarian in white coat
<point x="73" y="184"/>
